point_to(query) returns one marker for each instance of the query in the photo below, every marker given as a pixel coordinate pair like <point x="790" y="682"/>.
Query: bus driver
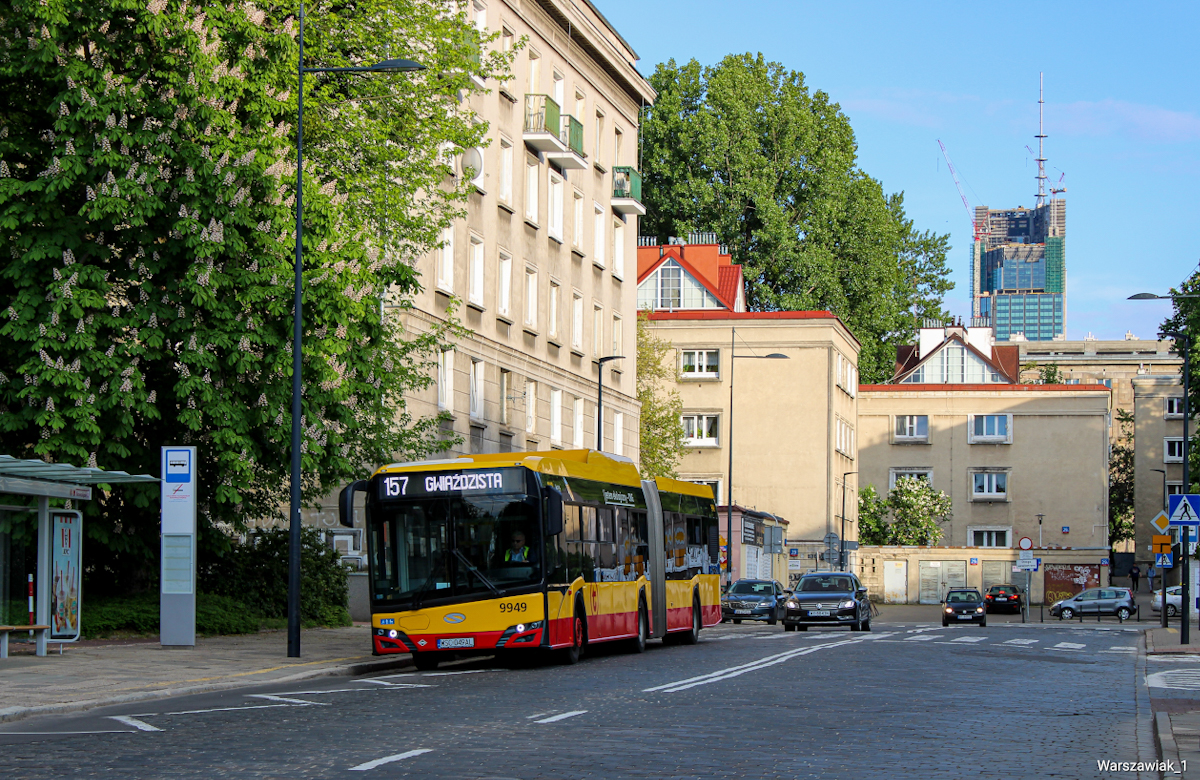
<point x="518" y="551"/>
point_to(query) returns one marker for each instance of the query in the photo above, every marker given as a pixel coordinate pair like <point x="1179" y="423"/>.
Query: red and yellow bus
<point x="517" y="552"/>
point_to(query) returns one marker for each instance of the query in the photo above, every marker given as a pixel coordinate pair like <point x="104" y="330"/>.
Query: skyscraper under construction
<point x="1019" y="264"/>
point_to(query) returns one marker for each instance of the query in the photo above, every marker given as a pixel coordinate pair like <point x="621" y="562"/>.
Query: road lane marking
<point x="1024" y="642"/>
<point x="229" y="709"/>
<point x="387" y="684"/>
<point x="270" y="697"/>
<point x="1119" y="649"/>
<point x="389" y="759"/>
<point x="737" y="671"/>
<point x="1181" y="679"/>
<point x="563" y="716"/>
<point x="538" y="715"/>
<point x="920" y="638"/>
<point x="460" y="671"/>
<point x="969" y="639"/>
<point x="1068" y="646"/>
<point x="129" y="720"/>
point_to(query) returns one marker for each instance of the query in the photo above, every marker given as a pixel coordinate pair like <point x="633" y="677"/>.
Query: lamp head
<point x="397" y="65"/>
<point x="1146" y="297"/>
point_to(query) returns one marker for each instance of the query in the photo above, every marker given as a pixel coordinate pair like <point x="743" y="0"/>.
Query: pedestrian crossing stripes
<point x="984" y="641"/>
<point x="1022" y="642"/>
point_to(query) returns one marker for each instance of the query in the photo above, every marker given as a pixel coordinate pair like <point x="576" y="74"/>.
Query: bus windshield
<point x="454" y="547"/>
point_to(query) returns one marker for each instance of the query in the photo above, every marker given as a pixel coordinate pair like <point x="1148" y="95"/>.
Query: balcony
<point x="627" y="191"/>
<point x="572" y="136"/>
<point x="543" y="124"/>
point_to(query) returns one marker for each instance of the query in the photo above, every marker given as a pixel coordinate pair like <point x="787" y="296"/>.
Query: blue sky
<point x="1121" y="114"/>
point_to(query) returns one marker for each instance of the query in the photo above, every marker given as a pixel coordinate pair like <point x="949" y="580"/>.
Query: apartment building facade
<point x="1157" y="454"/>
<point x="541" y="268"/>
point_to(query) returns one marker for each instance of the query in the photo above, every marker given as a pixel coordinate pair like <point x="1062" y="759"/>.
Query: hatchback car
<point x="1002" y="597"/>
<point x="1174" y="600"/>
<point x="1095" y="601"/>
<point x="753" y="600"/>
<point x="828" y="599"/>
<point x="962" y="605"/>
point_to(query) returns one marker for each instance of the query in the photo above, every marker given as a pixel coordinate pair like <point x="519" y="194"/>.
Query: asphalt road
<point x="749" y="701"/>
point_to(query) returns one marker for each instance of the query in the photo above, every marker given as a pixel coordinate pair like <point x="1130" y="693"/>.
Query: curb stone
<point x="10" y="714"/>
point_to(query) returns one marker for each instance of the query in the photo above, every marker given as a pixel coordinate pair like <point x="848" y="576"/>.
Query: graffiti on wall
<point x="1063" y="580"/>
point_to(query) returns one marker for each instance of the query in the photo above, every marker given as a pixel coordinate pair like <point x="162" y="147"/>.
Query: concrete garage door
<point x="939" y="576"/>
<point x="895" y="582"/>
<point x="996" y="573"/>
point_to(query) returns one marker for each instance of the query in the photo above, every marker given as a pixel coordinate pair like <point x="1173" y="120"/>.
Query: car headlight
<point x="847" y="604"/>
<point x="979" y="609"/>
<point x="949" y="611"/>
<point x="792" y="605"/>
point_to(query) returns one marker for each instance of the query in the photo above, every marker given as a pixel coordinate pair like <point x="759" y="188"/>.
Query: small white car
<point x="1174" y="600"/>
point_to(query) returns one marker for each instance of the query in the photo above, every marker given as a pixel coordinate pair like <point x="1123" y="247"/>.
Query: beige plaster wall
<point x="1151" y="427"/>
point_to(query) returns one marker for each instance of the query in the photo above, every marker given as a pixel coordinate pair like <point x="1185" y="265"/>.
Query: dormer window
<point x="672" y="287"/>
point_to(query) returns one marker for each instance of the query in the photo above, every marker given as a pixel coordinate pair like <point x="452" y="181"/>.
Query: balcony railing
<point x="542" y="115"/>
<point x="627" y="183"/>
<point x="572" y="134"/>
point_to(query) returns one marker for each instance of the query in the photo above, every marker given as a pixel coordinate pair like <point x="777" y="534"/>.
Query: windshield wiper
<point x="420" y="592"/>
<point x="474" y="570"/>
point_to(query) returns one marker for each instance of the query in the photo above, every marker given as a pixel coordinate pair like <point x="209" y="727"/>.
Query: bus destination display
<point x="426" y="485"/>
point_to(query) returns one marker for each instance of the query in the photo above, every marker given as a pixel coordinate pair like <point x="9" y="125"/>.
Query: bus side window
<point x="714" y="540"/>
<point x="606" y="548"/>
<point x="641" y="550"/>
<point x="568" y="542"/>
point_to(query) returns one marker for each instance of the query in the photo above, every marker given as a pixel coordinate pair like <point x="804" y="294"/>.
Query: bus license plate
<point x="819" y="613"/>
<point x="466" y="641"/>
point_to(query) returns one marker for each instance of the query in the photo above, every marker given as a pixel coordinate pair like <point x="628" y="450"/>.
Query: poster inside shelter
<point x="65" y="574"/>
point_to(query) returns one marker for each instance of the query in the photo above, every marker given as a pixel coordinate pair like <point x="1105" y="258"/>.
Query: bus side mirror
<point x="554" y="510"/>
<point x="346" y="501"/>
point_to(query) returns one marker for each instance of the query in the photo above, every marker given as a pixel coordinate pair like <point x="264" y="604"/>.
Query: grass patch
<point x="138" y="616"/>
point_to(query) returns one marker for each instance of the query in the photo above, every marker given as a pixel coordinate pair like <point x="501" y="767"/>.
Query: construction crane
<point x="979" y="230"/>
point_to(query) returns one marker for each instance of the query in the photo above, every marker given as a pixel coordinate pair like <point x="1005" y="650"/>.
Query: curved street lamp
<point x="386" y="66"/>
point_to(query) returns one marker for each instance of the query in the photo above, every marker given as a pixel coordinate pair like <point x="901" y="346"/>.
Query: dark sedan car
<point x="962" y="605"/>
<point x="828" y="599"/>
<point x="1002" y="597"/>
<point x="753" y="600"/>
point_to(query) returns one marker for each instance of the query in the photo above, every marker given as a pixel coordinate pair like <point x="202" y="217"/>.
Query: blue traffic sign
<point x="1183" y="510"/>
<point x="1164" y="561"/>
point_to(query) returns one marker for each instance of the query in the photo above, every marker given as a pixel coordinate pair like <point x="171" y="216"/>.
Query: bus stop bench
<point x="39" y="633"/>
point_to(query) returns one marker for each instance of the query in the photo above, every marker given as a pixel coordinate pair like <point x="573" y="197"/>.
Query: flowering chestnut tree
<point x="147" y="229"/>
<point x="910" y="514"/>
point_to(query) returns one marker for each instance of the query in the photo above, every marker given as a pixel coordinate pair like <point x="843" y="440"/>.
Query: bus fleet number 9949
<point x="513" y="606"/>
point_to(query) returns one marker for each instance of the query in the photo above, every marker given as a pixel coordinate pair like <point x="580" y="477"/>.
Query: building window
<point x="616" y="335"/>
<point x="919" y="472"/>
<point x="598" y="222"/>
<point x="990" y="537"/>
<point x="990" y="428"/>
<point x="557" y="91"/>
<point x="577" y="222"/>
<point x="577" y="424"/>
<point x="1174" y="407"/>
<point x="618" y="137"/>
<point x="555" y="228"/>
<point x="700" y="430"/>
<point x="712" y="484"/>
<point x="556" y="421"/>
<point x="477" y="367"/>
<point x="531" y="285"/>
<point x="618" y="433"/>
<point x="1173" y="450"/>
<point x="531" y="404"/>
<point x="598" y="142"/>
<point x="446" y="261"/>
<point x="446" y="380"/>
<point x="845" y="438"/>
<point x="597" y="330"/>
<point x="504" y="288"/>
<point x="553" y="310"/>
<point x="701" y="363"/>
<point x="670" y="288"/>
<point x="475" y="286"/>
<point x="1174" y="488"/>
<point x="912" y="427"/>
<point x="505" y="390"/>
<point x="989" y="485"/>
<point x="577" y="322"/>
<point x="531" y="190"/>
<point x="618" y="253"/>
<point x="506" y="170"/>
<point x="535" y="72"/>
<point x="506" y="39"/>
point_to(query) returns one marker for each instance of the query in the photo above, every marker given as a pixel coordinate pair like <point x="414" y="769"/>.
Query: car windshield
<point x="962" y="597"/>
<point x="454" y="546"/>
<point x="1001" y="589"/>
<point x="753" y="588"/>
<point x="825" y="584"/>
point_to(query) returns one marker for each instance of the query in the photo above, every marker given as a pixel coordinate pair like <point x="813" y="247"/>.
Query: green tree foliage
<point x="1044" y="374"/>
<point x="661" y="427"/>
<point x="147" y="218"/>
<point x="743" y="149"/>
<point x="1186" y="321"/>
<point x="1120" y="482"/>
<point x="910" y="514"/>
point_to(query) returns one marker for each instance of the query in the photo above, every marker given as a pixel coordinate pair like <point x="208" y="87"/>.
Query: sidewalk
<point x="103" y="672"/>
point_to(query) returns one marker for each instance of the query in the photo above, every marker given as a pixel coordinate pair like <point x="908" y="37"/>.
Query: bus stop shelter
<point x="43" y="481"/>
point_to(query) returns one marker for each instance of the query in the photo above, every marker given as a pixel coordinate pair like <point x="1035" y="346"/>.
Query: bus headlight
<point x="520" y="627"/>
<point x="393" y="633"/>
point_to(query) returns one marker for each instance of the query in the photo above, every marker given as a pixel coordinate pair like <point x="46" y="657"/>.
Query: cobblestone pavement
<point x="907" y="700"/>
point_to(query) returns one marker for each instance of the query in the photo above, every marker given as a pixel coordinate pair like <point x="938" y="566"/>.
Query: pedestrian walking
<point x="1151" y="573"/>
<point x="1135" y="574"/>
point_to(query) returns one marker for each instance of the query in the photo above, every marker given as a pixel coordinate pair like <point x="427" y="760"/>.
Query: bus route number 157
<point x="395" y="486"/>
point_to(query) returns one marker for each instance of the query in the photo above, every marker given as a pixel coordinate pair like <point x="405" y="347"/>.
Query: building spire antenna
<point x="1041" y="136"/>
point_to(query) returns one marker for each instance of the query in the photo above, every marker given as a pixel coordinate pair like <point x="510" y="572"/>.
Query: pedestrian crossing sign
<point x="1163" y="561"/>
<point x="1184" y="509"/>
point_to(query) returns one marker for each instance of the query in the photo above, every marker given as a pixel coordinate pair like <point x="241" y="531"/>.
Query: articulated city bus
<point x="517" y="552"/>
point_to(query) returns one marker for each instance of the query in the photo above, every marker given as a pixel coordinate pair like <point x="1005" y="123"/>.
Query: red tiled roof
<point x="730" y="283"/>
<point x="992" y="387"/>
<point x="721" y="314"/>
<point x="704" y="262"/>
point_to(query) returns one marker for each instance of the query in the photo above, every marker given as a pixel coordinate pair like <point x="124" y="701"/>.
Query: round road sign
<point x="1026" y="543"/>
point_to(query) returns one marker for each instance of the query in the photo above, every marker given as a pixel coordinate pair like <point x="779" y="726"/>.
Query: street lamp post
<point x="1162" y="580"/>
<point x="293" y="607"/>
<point x="729" y="487"/>
<point x="1183" y="344"/>
<point x="842" y="553"/>
<point x="600" y="401"/>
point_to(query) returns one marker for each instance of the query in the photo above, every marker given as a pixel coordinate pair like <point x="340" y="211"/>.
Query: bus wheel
<point x="638" y="643"/>
<point x="426" y="662"/>
<point x="692" y="636"/>
<point x="578" y="638"/>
